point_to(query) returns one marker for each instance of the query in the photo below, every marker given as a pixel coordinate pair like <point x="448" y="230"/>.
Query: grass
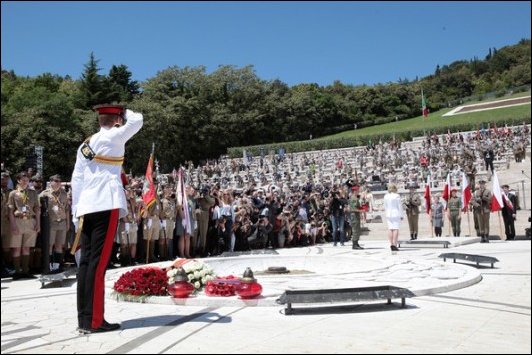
<point x="435" y="120"/>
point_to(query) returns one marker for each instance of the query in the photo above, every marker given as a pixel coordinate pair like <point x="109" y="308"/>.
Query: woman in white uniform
<point x="393" y="208"/>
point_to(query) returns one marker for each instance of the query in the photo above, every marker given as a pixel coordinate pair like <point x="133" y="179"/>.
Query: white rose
<point x="196" y="274"/>
<point x="171" y="280"/>
<point x="171" y="272"/>
<point x="190" y="277"/>
<point x="197" y="285"/>
<point x="202" y="273"/>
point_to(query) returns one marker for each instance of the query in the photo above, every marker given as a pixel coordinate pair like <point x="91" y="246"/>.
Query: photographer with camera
<point x="411" y="205"/>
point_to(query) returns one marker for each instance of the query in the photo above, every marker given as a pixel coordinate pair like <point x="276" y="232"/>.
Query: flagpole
<point x="500" y="225"/>
<point x="149" y="234"/>
<point x="469" y="223"/>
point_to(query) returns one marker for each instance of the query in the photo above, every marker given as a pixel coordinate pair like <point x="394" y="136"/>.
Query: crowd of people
<point x="268" y="201"/>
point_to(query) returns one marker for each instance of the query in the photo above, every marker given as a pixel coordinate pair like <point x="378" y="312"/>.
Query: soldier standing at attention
<point x="98" y="201"/>
<point x="169" y="214"/>
<point x="455" y="207"/>
<point x="59" y="221"/>
<point x="411" y="204"/>
<point x="481" y="203"/>
<point x="355" y="208"/>
<point x="152" y="224"/>
<point x="25" y="221"/>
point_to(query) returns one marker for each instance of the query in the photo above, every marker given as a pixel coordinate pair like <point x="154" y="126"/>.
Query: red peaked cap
<point x="110" y="109"/>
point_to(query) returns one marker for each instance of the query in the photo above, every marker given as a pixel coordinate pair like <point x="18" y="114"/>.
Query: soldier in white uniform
<point x="98" y="201"/>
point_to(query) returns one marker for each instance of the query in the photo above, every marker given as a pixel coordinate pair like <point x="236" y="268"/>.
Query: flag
<point x="427" y="195"/>
<point x="507" y="201"/>
<point x="446" y="190"/>
<point x="148" y="190"/>
<point x="182" y="199"/>
<point x="424" y="109"/>
<point x="466" y="192"/>
<point x="496" y="198"/>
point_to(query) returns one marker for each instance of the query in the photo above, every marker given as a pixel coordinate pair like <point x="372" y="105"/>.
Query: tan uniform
<point x="169" y="215"/>
<point x="152" y="223"/>
<point x="57" y="216"/>
<point x="128" y="225"/>
<point x="25" y="208"/>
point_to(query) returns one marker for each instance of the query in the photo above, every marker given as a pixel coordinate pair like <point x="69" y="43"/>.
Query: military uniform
<point x="24" y="214"/>
<point x="411" y="204"/>
<point x="169" y="215"/>
<point x="99" y="201"/>
<point x="59" y="223"/>
<point x="481" y="203"/>
<point x="519" y="152"/>
<point x="152" y="226"/>
<point x="455" y="207"/>
<point x="128" y="232"/>
<point x="355" y="207"/>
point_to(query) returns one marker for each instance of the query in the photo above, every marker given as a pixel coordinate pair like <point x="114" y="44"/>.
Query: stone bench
<point x="445" y="243"/>
<point x="469" y="257"/>
<point x="343" y="295"/>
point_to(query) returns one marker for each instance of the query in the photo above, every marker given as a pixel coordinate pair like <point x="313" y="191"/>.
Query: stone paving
<point x="458" y="308"/>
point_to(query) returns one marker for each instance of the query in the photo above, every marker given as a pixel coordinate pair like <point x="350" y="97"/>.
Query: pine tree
<point x="92" y="85"/>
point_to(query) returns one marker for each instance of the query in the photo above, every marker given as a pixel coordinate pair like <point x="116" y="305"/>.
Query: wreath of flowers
<point x="141" y="283"/>
<point x="198" y="273"/>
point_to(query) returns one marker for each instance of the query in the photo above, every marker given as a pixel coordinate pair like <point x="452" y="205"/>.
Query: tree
<point x="121" y="87"/>
<point x="93" y="91"/>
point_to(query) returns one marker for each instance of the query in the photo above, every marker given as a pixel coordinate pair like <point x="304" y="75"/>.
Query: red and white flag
<point x="507" y="201"/>
<point x="496" y="199"/>
<point x="427" y="195"/>
<point x="182" y="199"/>
<point x="466" y="192"/>
<point x="446" y="190"/>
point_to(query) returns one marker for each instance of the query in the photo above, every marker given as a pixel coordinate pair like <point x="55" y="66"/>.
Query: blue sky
<point x="295" y="42"/>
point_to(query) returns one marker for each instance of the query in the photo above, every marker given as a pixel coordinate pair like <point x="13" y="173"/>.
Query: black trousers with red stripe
<point x="97" y="236"/>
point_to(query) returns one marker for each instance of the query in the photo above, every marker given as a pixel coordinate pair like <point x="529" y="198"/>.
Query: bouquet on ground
<point x="142" y="282"/>
<point x="198" y="273"/>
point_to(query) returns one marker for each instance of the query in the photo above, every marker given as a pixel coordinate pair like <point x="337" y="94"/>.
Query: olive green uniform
<point x="455" y="206"/>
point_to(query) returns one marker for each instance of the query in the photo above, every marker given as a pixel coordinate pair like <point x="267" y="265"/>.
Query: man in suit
<point x="509" y="212"/>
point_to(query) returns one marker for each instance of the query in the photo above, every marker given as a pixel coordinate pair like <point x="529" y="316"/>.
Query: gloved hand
<point x="133" y="116"/>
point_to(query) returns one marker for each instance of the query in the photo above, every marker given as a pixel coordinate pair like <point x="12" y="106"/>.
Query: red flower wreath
<point x="144" y="281"/>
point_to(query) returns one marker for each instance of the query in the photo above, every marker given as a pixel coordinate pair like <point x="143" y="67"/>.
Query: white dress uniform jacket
<point x="97" y="186"/>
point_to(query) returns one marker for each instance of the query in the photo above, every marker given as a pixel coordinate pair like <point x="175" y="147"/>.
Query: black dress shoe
<point x="105" y="327"/>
